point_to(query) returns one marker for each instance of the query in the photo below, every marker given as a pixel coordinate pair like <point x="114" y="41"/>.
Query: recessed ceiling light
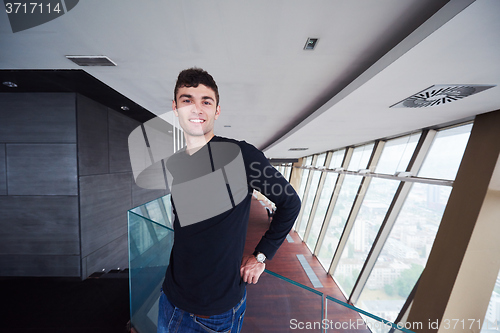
<point x="298" y="149"/>
<point x="10" y="84"/>
<point x="125" y="108"/>
<point x="311" y="43"/>
<point x="440" y="94"/>
<point x="91" y="60"/>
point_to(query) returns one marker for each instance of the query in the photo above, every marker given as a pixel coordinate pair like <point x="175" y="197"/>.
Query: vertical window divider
<point x="294" y="179"/>
<point x="317" y="196"/>
<point x="306" y="193"/>
<point x="296" y="176"/>
<point x="360" y="196"/>
<point x="402" y="192"/>
<point x="333" y="200"/>
<point x="288" y="172"/>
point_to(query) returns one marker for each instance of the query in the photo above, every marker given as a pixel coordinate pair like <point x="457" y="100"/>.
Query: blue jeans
<point x="171" y="319"/>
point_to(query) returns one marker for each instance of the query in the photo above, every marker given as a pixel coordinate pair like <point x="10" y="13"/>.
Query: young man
<point x="213" y="180"/>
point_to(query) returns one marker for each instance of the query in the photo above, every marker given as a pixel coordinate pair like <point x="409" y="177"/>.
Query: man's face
<point x="197" y="110"/>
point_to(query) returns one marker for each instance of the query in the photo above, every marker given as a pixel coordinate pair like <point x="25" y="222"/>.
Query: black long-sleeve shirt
<point x="203" y="276"/>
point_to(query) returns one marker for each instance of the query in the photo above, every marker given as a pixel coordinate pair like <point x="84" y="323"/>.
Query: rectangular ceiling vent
<point x="311" y="43"/>
<point x="440" y="94"/>
<point x="91" y="60"/>
<point x="297" y="149"/>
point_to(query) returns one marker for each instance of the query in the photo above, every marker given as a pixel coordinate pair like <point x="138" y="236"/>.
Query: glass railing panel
<point x="149" y="253"/>
<point x="158" y="210"/>
<point x="277" y="304"/>
<point x="343" y="317"/>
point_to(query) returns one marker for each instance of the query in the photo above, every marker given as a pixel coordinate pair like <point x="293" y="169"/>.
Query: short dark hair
<point x="192" y="77"/>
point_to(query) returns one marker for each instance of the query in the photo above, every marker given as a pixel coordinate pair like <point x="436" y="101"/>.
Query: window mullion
<point x="306" y="193"/>
<point x="296" y="174"/>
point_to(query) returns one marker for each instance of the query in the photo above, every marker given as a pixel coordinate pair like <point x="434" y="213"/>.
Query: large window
<point x="397" y="154"/>
<point x="446" y="153"/>
<point x="395" y="158"/>
<point x="325" y="198"/>
<point x="308" y="200"/>
<point x="375" y="228"/>
<point x="360" y="157"/>
<point x="405" y="252"/>
<point x="350" y="186"/>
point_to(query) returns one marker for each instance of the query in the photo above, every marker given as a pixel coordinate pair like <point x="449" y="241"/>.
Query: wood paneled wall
<point x="65" y="185"/>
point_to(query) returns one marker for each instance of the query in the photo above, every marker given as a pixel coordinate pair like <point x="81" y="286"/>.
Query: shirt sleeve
<point x="263" y="177"/>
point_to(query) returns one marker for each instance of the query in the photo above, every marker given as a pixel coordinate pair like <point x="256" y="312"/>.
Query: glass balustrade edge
<point x="294" y="282"/>
<point x="387" y="322"/>
<point x="149" y="220"/>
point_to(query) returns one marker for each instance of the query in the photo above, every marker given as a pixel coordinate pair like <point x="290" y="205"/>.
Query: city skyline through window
<point x="403" y="250"/>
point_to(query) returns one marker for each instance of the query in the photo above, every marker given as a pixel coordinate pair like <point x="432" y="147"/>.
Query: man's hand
<point x="251" y="269"/>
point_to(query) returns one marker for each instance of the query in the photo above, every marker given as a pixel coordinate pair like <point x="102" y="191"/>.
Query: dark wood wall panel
<point x="141" y="195"/>
<point x="104" y="201"/>
<point x="42" y="169"/>
<point x="3" y="174"/>
<point x="120" y="128"/>
<point x="37" y="117"/>
<point x="39" y="225"/>
<point x="35" y="265"/>
<point x="39" y="185"/>
<point x="92" y="137"/>
<point x="112" y="255"/>
<point x="65" y="185"/>
<point x="107" y="188"/>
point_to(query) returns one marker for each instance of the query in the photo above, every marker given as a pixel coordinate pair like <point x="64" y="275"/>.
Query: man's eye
<point x="207" y="103"/>
<point x="186" y="101"/>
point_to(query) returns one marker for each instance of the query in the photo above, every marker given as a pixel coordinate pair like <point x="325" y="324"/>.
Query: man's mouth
<point x="197" y="120"/>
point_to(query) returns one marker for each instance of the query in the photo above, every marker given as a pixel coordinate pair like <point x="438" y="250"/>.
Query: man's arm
<point x="263" y="177"/>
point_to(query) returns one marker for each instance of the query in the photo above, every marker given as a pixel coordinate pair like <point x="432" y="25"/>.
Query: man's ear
<point x="174" y="108"/>
<point x="217" y="112"/>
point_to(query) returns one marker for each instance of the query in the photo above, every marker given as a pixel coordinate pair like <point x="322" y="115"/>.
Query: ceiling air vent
<point x="91" y="60"/>
<point x="311" y="43"/>
<point x="440" y="94"/>
<point x="297" y="149"/>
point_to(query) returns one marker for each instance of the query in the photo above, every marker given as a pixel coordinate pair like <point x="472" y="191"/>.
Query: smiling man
<point x="213" y="181"/>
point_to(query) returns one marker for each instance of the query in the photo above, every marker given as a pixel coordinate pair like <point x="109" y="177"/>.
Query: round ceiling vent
<point x="440" y="94"/>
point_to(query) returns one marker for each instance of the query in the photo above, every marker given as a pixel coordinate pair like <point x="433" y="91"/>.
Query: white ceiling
<point x="273" y="93"/>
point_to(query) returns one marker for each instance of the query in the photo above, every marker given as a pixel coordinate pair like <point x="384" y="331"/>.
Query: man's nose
<point x="196" y="108"/>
